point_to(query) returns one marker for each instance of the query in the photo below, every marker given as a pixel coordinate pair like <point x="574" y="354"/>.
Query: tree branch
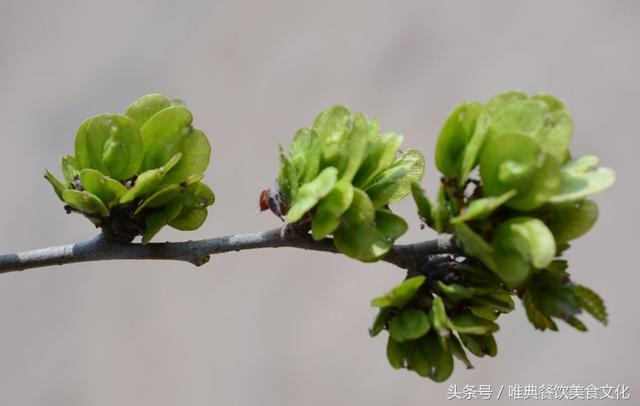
<point x="198" y="252"/>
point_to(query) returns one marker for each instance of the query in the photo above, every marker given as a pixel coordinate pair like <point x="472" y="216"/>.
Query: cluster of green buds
<point x="433" y="316"/>
<point x="135" y="173"/>
<point x="514" y="217"/>
<point x="339" y="178"/>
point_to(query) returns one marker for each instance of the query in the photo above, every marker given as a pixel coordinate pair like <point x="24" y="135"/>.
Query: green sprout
<point x="339" y="178"/>
<point x="514" y="198"/>
<point x="135" y="173"/>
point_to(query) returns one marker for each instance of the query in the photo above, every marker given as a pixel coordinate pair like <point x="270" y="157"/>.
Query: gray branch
<point x="198" y="252"/>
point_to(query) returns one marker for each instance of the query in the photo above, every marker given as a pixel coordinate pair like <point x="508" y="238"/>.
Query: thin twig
<point x="198" y="252"/>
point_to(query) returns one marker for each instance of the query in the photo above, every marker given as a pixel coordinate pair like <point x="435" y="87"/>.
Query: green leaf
<point x="163" y="134"/>
<point x="311" y="192"/>
<point x="440" y="211"/>
<point x="438" y="317"/>
<point x="422" y="202"/>
<point x="576" y="323"/>
<point x="470" y="324"/>
<point x="472" y="344"/>
<point x="419" y="357"/>
<point x="571" y="220"/>
<point x="581" y="177"/>
<point x="458" y="351"/>
<point x="368" y="241"/>
<point x="149" y="181"/>
<point x="190" y="218"/>
<point x="457" y="292"/>
<point x="500" y="302"/>
<point x="110" y="144"/>
<point x="453" y="138"/>
<point x="409" y="324"/>
<point x="480" y="209"/>
<point x="558" y="127"/>
<point x="160" y="198"/>
<point x="331" y="125"/>
<point x="155" y="221"/>
<point x="85" y="202"/>
<point x="196" y="153"/>
<point x="353" y="148"/>
<point x="145" y="107"/>
<point x="107" y="189"/>
<point x="287" y="178"/>
<point x="521" y="243"/>
<point x="379" y="155"/>
<point x="498" y="102"/>
<point x="381" y="320"/>
<point x="58" y="186"/>
<point x="472" y="150"/>
<point x="484" y="312"/>
<point x="440" y="357"/>
<point x="546" y="121"/>
<point x="475" y="245"/>
<point x="326" y="218"/>
<point x="515" y="162"/>
<point x="539" y="320"/>
<point x="394" y="183"/>
<point x="401" y="294"/>
<point x="69" y="168"/>
<point x="395" y="353"/>
<point x="197" y="195"/>
<point x="390" y="226"/>
<point x="488" y="344"/>
<point x="304" y="154"/>
<point x="590" y="302"/>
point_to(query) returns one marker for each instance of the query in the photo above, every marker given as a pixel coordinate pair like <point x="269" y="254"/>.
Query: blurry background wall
<point x="285" y="327"/>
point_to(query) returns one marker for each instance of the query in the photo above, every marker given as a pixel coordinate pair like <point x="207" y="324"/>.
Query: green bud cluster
<point x="432" y="318"/>
<point x="513" y="197"/>
<point x="135" y="173"/>
<point x="339" y="178"/>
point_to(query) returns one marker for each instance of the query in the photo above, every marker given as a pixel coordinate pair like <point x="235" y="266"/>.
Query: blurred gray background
<point x="285" y="327"/>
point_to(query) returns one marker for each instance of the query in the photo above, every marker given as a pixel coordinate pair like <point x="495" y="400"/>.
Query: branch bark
<point x="198" y="252"/>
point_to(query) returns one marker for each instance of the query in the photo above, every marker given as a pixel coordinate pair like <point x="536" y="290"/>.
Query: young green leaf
<point x="58" y="186"/>
<point x="394" y="183"/>
<point x="69" y="168"/>
<point x="570" y="220"/>
<point x="162" y="135"/>
<point x="327" y="216"/>
<point x="145" y="107"/>
<point x="475" y="245"/>
<point x="581" y="177"/>
<point x="453" y="138"/>
<point x="352" y="148"/>
<point x="149" y="181"/>
<point x="401" y="294"/>
<point x="331" y="125"/>
<point x="422" y="202"/>
<point x="379" y="155"/>
<point x="381" y="320"/>
<point x="590" y="302"/>
<point x="468" y="323"/>
<point x="480" y="209"/>
<point x="107" y="189"/>
<point x="513" y="161"/>
<point x="409" y="324"/>
<point x="85" y="202"/>
<point x="157" y="220"/>
<point x="305" y="154"/>
<point x="395" y="353"/>
<point x="110" y="144"/>
<point x="311" y="192"/>
<point x="288" y="182"/>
